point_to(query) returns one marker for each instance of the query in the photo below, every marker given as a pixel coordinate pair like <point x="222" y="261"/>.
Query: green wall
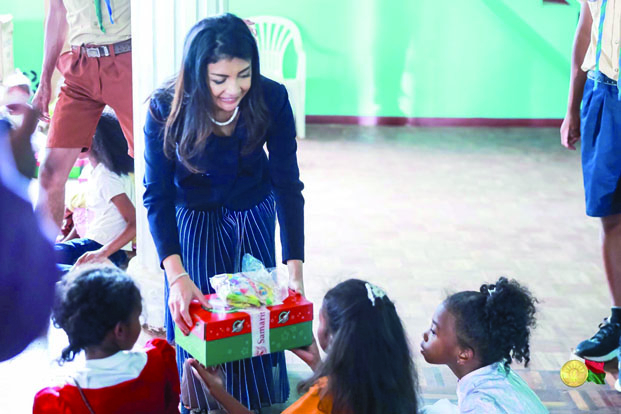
<point x="28" y="16"/>
<point x="414" y="58"/>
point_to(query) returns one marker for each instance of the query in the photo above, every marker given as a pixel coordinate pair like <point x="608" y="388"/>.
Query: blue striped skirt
<point x="214" y="242"/>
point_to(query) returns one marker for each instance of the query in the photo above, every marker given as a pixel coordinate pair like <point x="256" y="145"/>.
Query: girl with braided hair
<point x="477" y="335"/>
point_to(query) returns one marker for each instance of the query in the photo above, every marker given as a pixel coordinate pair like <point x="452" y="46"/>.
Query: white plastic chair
<point x="274" y="34"/>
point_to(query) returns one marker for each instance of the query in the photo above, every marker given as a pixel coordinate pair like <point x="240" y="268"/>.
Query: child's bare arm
<point x="128" y="212"/>
<point x="216" y="388"/>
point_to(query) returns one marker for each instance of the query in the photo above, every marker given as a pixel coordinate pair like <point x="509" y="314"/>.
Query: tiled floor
<point x="422" y="212"/>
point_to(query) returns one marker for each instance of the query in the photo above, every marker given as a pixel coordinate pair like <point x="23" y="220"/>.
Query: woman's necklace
<point x="225" y="123"/>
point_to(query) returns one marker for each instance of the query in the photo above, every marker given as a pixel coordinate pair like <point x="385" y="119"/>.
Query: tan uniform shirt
<point x="84" y="26"/>
<point x="611" y="38"/>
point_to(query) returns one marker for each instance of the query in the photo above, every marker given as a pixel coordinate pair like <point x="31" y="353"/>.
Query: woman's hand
<point x="309" y="354"/>
<point x="182" y="291"/>
<point x="296" y="276"/>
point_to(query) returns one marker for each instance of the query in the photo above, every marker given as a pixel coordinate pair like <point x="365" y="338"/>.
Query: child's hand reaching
<point x="212" y="379"/>
<point x="309" y="354"/>
<point x="209" y="375"/>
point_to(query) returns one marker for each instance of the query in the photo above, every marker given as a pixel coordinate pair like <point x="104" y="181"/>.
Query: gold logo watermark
<point x="574" y="373"/>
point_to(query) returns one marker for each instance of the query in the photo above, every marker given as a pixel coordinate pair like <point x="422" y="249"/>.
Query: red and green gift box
<point x="222" y="335"/>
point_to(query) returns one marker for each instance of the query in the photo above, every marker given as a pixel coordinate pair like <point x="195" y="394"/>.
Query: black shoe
<point x="603" y="346"/>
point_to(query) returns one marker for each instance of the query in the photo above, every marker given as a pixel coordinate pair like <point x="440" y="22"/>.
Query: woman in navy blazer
<point x="212" y="193"/>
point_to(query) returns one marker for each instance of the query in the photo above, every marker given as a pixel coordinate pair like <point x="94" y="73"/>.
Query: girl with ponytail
<point x="478" y="335"/>
<point x="368" y="368"/>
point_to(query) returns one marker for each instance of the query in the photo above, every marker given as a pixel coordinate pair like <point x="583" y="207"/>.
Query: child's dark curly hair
<point x="89" y="303"/>
<point x="495" y="322"/>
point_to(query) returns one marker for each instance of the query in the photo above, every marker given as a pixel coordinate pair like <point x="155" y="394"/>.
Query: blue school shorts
<point x="600" y="127"/>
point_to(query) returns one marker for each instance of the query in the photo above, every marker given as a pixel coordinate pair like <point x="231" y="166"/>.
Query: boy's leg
<point x="53" y="175"/>
<point x="601" y="165"/>
<point x="604" y="345"/>
<point x="116" y="80"/>
<point x="69" y="252"/>
<point x="72" y="127"/>
<point x="611" y="251"/>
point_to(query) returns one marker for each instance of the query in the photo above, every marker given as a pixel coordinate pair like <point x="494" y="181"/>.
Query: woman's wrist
<point x="173" y="266"/>
<point x="296" y="278"/>
<point x="295" y="268"/>
<point x="172" y="280"/>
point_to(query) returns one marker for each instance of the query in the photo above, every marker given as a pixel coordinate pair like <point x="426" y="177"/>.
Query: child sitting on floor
<point x="368" y="368"/>
<point x="477" y="335"/>
<point x="109" y="201"/>
<point x="99" y="309"/>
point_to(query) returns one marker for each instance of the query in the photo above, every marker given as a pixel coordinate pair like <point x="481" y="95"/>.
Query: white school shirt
<point x="611" y="38"/>
<point x="107" y="372"/>
<point x="492" y="390"/>
<point x="106" y="222"/>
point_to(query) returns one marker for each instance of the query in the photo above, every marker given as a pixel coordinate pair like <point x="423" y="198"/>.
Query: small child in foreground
<point x="477" y="335"/>
<point x="99" y="309"/>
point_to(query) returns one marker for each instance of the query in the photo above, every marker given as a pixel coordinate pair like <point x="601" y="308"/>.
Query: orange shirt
<point x="309" y="402"/>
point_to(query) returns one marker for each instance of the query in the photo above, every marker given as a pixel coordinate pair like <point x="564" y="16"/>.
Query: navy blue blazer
<point x="229" y="179"/>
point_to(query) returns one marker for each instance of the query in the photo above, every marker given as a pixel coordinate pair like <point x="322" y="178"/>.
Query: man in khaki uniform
<point x="97" y="71"/>
<point x="594" y="115"/>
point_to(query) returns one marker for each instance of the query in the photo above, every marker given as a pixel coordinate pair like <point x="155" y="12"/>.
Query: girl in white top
<point x="109" y="201"/>
<point x="477" y="335"/>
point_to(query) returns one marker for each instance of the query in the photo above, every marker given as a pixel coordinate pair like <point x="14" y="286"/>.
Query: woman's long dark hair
<point x="495" y="322"/>
<point x="188" y="125"/>
<point x="369" y="365"/>
<point x="109" y="145"/>
<point x="89" y="302"/>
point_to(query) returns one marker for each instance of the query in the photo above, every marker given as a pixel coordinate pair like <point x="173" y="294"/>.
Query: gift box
<point x="222" y="335"/>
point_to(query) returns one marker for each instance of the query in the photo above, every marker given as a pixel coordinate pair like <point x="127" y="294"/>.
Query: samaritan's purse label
<point x="259" y="322"/>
